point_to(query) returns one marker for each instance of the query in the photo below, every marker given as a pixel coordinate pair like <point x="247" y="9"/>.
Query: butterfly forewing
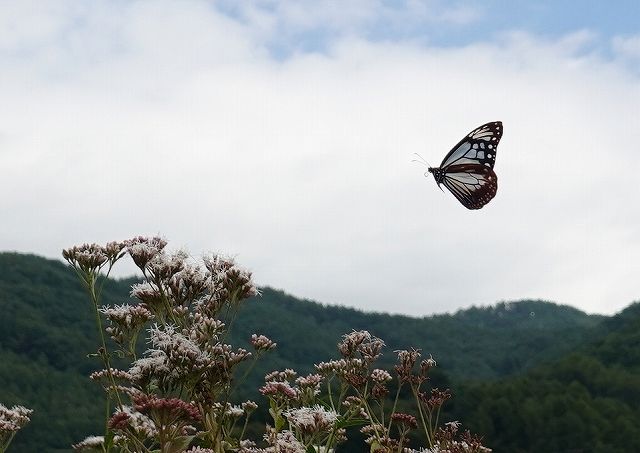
<point x="478" y="147"/>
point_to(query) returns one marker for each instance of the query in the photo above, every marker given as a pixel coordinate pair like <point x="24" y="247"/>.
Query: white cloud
<point x="146" y="117"/>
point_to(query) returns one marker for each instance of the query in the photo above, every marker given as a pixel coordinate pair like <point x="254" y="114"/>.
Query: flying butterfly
<point x="467" y="170"/>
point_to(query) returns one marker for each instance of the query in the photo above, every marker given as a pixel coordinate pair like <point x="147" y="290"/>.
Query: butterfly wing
<point x="478" y="147"/>
<point x="474" y="185"/>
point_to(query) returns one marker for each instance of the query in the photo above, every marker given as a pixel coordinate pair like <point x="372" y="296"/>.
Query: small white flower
<point x="380" y="376"/>
<point x="312" y="419"/>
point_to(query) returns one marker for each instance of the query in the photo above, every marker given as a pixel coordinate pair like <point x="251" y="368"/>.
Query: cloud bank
<point x="210" y="125"/>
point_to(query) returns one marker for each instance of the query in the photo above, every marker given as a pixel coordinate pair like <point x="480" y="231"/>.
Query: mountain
<point x="47" y="330"/>
<point x="585" y="402"/>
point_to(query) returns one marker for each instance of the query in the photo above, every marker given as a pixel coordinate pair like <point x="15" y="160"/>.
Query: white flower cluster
<point x="311" y="419"/>
<point x="13" y="419"/>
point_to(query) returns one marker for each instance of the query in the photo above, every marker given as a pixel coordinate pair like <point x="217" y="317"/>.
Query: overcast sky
<point x="282" y="132"/>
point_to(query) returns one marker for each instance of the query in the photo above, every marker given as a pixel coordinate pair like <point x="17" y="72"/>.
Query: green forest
<point x="529" y="376"/>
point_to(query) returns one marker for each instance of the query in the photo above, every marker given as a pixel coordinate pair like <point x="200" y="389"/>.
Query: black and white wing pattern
<point x="467" y="170"/>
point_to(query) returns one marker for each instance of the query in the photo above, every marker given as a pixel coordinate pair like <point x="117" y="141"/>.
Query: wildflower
<point x="380" y="376"/>
<point x="132" y="420"/>
<point x="182" y="355"/>
<point x="249" y="446"/>
<point x="163" y="267"/>
<point x="309" y="381"/>
<point x="187" y="285"/>
<point x="285" y="375"/>
<point x="379" y="391"/>
<point x="405" y="420"/>
<point x="249" y="406"/>
<point x="144" y="249"/>
<point x="363" y="343"/>
<point x="90" y="443"/>
<point x="435" y="399"/>
<point x="114" y="250"/>
<point x="15" y="418"/>
<point x="147" y="294"/>
<point x="205" y="328"/>
<point x="232" y="281"/>
<point x="406" y="362"/>
<point x="128" y="317"/>
<point x="280" y="390"/>
<point x="323" y="449"/>
<point x="426" y="365"/>
<point x="284" y="442"/>
<point x="234" y="411"/>
<point x="351" y="341"/>
<point x="126" y="322"/>
<point x="11" y="421"/>
<point x="156" y="364"/>
<point x="262" y="343"/>
<point x="166" y="412"/>
<point x="342" y="367"/>
<point x="87" y="258"/>
<point x="311" y="419"/>
<point x="104" y="374"/>
<point x="332" y="366"/>
<point x="120" y="420"/>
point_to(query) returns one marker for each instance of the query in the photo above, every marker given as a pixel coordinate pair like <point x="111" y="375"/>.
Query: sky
<point x="283" y="133"/>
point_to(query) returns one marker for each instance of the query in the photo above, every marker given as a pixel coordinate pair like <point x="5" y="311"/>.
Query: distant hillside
<point x="47" y="330"/>
<point x="585" y="402"/>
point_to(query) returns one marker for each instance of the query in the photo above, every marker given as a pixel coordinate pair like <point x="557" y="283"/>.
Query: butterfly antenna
<point x="422" y="160"/>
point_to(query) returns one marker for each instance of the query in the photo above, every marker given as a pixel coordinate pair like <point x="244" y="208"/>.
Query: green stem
<point x="422" y="420"/>
<point x="105" y="351"/>
<point x="395" y="403"/>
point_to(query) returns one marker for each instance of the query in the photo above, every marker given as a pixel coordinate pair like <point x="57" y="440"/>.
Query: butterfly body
<point x="467" y="170"/>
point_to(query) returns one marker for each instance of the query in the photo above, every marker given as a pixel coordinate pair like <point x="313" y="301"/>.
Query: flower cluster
<point x="11" y="421"/>
<point x="178" y="395"/>
<point x="179" y="389"/>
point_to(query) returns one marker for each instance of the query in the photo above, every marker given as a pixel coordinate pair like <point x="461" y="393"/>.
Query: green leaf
<point x="108" y="440"/>
<point x="351" y="422"/>
<point x="179" y="444"/>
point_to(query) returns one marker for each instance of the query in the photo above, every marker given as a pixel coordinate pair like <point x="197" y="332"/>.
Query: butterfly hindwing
<point x="474" y="185"/>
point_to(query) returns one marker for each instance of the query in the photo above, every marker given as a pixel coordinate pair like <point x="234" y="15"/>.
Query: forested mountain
<point x="513" y="367"/>
<point x="587" y="401"/>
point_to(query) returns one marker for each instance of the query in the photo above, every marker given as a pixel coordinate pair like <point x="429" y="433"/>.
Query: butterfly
<point x="467" y="170"/>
